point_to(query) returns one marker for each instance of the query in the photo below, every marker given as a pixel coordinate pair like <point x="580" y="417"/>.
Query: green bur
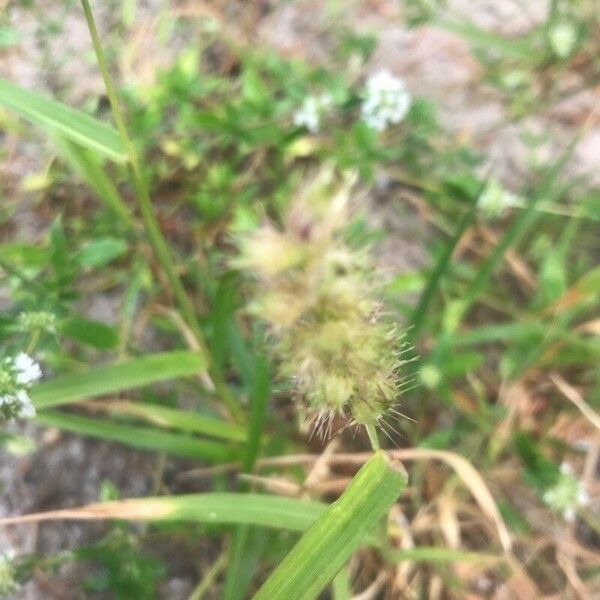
<point x="324" y="549"/>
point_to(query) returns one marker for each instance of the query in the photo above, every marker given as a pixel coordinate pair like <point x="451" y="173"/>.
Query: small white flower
<point x="309" y="115"/>
<point x="567" y="494"/>
<point x="563" y="37"/>
<point x="566" y="468"/>
<point x="27" y="369"/>
<point x="26" y="410"/>
<point x="583" y="498"/>
<point x="386" y="100"/>
<point x="495" y="200"/>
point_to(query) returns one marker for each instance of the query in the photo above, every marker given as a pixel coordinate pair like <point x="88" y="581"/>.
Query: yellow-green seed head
<point x="319" y="297"/>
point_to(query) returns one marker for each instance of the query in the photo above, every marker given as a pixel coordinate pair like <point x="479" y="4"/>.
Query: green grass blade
<point x="242" y="561"/>
<point x="433" y="282"/>
<point x="259" y="395"/>
<point x="89" y="167"/>
<point x="340" y="586"/>
<point x="130" y="374"/>
<point x="73" y="124"/>
<point x="263" y="510"/>
<point x="510" y="48"/>
<point x="183" y="420"/>
<point x="324" y="549"/>
<point x="144" y="438"/>
<point x="547" y="190"/>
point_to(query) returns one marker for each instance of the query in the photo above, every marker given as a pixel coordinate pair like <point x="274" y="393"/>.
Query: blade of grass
<point x="176" y="419"/>
<point x="512" y="48"/>
<point x="89" y="167"/>
<point x="223" y="508"/>
<point x="259" y="395"/>
<point x="433" y="282"/>
<point x="243" y="562"/>
<point x="340" y="587"/>
<point x="547" y="189"/>
<point x="73" y="124"/>
<point x="144" y="438"/>
<point x="129" y="374"/>
<point x="324" y="549"/>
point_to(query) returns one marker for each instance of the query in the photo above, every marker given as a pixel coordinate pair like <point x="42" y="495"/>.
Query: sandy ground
<point x="68" y="471"/>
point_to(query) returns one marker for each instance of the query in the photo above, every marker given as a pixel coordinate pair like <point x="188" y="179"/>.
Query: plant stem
<point x="372" y="433"/>
<point x="209" y="578"/>
<point x="141" y="192"/>
<point x="159" y="245"/>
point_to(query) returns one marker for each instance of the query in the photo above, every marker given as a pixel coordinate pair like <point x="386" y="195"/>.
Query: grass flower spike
<point x="318" y="296"/>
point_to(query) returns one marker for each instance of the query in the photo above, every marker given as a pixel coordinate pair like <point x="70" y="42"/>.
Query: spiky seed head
<point x="319" y="297"/>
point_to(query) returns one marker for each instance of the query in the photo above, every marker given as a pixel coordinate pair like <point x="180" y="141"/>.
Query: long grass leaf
<point x="547" y="189"/>
<point x="433" y="282"/>
<point x="73" y="124"/>
<point x="242" y="561"/>
<point x="224" y="508"/>
<point x="324" y="549"/>
<point x="143" y="438"/>
<point x="174" y="418"/>
<point x="129" y="374"/>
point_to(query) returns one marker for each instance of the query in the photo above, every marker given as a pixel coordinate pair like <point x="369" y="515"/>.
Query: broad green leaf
<point x="93" y="333"/>
<point x="144" y="438"/>
<point x="133" y="373"/>
<point x="324" y="549"/>
<point x="100" y="252"/>
<point x="73" y="124"/>
<point x="24" y="255"/>
<point x="217" y="508"/>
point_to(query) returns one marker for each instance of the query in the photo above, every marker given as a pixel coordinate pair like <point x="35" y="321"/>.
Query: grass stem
<point x="372" y="433"/>
<point x="159" y="245"/>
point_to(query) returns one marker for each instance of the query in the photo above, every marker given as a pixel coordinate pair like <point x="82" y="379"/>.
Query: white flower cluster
<point x="311" y="112"/>
<point x="386" y="100"/>
<point x="16" y="377"/>
<point x="567" y="494"/>
<point x="494" y="201"/>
